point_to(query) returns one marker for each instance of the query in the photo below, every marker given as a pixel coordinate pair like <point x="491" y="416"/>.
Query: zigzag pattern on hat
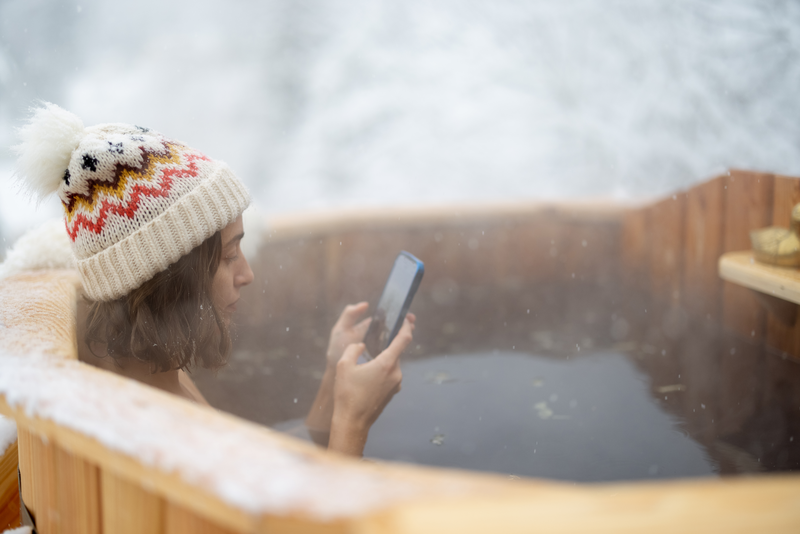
<point x="116" y="187"/>
<point x="113" y="193"/>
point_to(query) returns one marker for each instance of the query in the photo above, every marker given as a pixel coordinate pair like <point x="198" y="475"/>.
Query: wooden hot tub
<point x="98" y="453"/>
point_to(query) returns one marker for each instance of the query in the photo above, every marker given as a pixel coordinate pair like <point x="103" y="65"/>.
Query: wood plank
<point x="665" y="246"/>
<point x="742" y="268"/>
<point x="702" y="288"/>
<point x="24" y="439"/>
<point x="77" y="494"/>
<point x="179" y="520"/>
<point x="43" y="504"/>
<point x="784" y="335"/>
<point x="126" y="468"/>
<point x="787" y="194"/>
<point x="329" y="222"/>
<point x="9" y="488"/>
<point x="733" y="506"/>
<point x="531" y="248"/>
<point x="128" y="508"/>
<point x="299" y="525"/>
<point x="635" y="247"/>
<point x="43" y="298"/>
<point x="9" y="515"/>
<point x="748" y="206"/>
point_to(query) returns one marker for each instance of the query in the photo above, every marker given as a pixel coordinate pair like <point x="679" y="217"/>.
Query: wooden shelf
<point x="743" y="269"/>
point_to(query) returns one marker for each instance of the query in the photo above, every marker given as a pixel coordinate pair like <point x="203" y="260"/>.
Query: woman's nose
<point x="245" y="275"/>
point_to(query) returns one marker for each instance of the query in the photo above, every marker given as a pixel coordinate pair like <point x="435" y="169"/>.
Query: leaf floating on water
<point x="438" y="439"/>
<point x="513" y="477"/>
<point x="438" y="378"/>
<point x="670" y="388"/>
<point x="538" y="382"/>
<point x="543" y="410"/>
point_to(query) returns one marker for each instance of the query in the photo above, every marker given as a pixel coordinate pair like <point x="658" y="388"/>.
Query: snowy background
<point x="349" y="102"/>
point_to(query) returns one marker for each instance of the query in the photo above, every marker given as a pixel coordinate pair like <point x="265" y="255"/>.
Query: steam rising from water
<point x="337" y="102"/>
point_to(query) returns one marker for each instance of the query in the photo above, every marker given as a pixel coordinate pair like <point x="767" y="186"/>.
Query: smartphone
<point x="393" y="305"/>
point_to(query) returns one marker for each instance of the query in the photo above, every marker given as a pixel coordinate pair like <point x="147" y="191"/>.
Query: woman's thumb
<point x="351" y="353"/>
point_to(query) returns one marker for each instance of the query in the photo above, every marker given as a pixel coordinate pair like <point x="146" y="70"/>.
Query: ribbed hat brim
<point x="211" y="206"/>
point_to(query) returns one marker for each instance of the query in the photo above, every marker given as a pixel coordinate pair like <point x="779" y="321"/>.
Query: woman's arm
<point x="361" y="392"/>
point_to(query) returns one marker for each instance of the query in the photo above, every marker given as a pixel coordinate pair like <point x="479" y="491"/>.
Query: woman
<point x="156" y="229"/>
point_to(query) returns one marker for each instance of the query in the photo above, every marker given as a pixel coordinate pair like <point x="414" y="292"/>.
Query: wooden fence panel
<point x="748" y="206"/>
<point x="9" y="488"/>
<point x="635" y="243"/>
<point x="129" y="509"/>
<point x="42" y="503"/>
<point x="24" y="446"/>
<point x="702" y="287"/>
<point x="665" y="224"/>
<point x="179" y="520"/>
<point x="77" y="494"/>
<point x="781" y="336"/>
<point x="532" y="249"/>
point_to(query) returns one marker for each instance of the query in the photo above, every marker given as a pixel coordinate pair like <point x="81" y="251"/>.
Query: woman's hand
<point x="361" y="392"/>
<point x="347" y="330"/>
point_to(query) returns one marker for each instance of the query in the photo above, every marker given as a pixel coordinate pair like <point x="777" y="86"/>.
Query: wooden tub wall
<point x="74" y="482"/>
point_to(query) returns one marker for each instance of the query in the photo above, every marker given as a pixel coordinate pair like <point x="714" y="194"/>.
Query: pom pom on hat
<point x="47" y="143"/>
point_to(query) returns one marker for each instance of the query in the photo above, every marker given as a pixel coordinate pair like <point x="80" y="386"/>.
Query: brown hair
<point x="170" y="321"/>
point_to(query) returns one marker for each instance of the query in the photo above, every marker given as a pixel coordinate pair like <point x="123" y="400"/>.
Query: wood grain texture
<point x="39" y="298"/>
<point x="783" y="337"/>
<point x="734" y="506"/>
<point x="77" y="494"/>
<point x="748" y="206"/>
<point x="43" y="504"/>
<point x="9" y="515"/>
<point x="116" y="466"/>
<point x="24" y="439"/>
<point x="742" y="268"/>
<point x="128" y="508"/>
<point x="9" y="488"/>
<point x="179" y="520"/>
<point x="702" y="247"/>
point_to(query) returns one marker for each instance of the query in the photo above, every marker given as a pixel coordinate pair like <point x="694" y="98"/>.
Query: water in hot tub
<point x="582" y="418"/>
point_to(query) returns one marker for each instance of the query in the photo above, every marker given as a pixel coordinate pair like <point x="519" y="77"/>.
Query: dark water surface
<point x="563" y="383"/>
<point x="589" y="418"/>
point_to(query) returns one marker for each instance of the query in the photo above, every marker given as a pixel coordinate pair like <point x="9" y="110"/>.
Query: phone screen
<point x="397" y="294"/>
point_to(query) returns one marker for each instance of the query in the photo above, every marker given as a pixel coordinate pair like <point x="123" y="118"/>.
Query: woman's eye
<point x="231" y="259"/>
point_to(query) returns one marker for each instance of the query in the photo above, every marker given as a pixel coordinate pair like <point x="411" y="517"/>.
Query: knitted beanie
<point x="134" y="201"/>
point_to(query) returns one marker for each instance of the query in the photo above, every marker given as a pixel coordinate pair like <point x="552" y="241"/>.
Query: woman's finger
<point x="361" y="328"/>
<point x="399" y="343"/>
<point x="351" y="314"/>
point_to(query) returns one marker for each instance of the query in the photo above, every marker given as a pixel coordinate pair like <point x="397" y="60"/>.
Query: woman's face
<point x="233" y="272"/>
